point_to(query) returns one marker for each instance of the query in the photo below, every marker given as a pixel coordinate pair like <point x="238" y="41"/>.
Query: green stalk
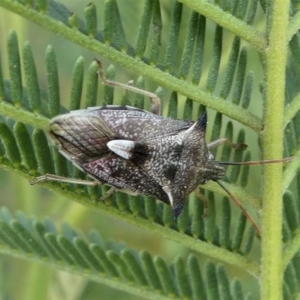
<point x="272" y="141"/>
<point x="226" y="20"/>
<point x="294" y="25"/>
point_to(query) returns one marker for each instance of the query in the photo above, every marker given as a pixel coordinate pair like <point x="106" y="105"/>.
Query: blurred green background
<point x="23" y="280"/>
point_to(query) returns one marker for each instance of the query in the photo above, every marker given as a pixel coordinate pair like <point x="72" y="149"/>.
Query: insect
<point x="140" y="152"/>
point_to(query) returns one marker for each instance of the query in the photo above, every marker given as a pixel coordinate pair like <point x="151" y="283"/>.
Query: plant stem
<point x="228" y="21"/>
<point x="290" y="250"/>
<point x="294" y="25"/>
<point x="292" y="109"/>
<point x="272" y="140"/>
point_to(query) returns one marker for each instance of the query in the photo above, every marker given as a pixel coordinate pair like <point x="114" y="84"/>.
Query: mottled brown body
<point x="140" y="152"/>
<point x="135" y="150"/>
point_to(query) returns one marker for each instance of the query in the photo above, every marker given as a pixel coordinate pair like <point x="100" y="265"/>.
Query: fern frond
<point x="127" y="270"/>
<point x="196" y="49"/>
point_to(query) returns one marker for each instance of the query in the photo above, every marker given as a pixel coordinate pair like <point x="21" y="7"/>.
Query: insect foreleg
<point x="239" y="204"/>
<point x="204" y="200"/>
<point x="155" y="100"/>
<point x="108" y="194"/>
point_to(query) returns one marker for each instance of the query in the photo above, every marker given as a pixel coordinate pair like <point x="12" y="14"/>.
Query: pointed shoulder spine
<point x="202" y="121"/>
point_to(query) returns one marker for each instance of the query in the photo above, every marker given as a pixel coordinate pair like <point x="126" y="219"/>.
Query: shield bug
<point x="140" y="152"/>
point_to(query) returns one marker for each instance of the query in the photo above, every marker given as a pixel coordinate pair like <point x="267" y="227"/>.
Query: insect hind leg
<point x="56" y="178"/>
<point x="155" y="100"/>
<point x="52" y="177"/>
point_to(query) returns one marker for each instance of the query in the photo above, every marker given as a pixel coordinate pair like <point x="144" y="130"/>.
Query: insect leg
<point x="51" y="177"/>
<point x="219" y="142"/>
<point x="259" y="162"/>
<point x="239" y="204"/>
<point x="155" y="100"/>
<point x="108" y="194"/>
<point x="204" y="200"/>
